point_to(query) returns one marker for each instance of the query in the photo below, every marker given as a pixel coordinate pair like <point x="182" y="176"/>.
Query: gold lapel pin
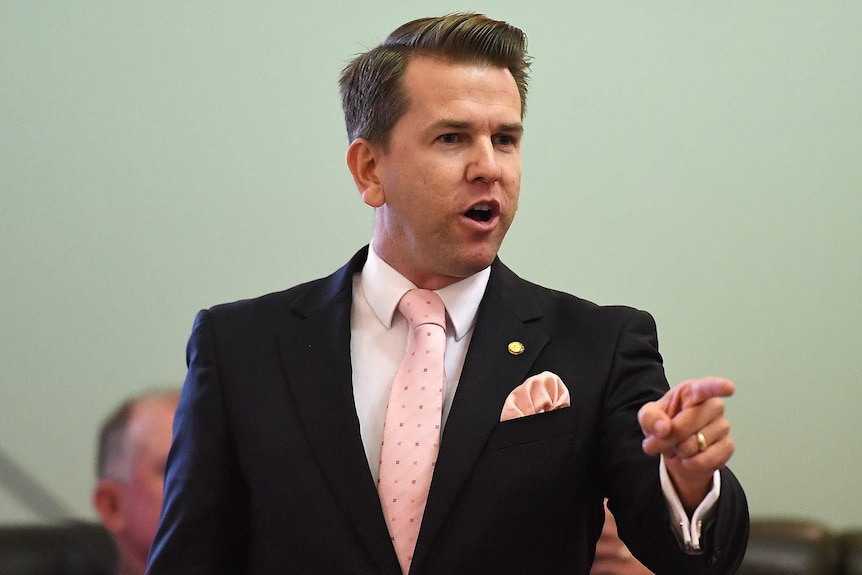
<point x="516" y="348"/>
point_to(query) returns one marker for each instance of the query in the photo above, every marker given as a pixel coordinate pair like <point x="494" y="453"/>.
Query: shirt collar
<point x="384" y="286"/>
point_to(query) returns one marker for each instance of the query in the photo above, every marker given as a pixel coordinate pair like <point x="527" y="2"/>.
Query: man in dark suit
<point x="277" y="437"/>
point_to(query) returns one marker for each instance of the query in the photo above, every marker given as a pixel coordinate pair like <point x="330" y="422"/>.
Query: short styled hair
<point x="111" y="450"/>
<point x="372" y="92"/>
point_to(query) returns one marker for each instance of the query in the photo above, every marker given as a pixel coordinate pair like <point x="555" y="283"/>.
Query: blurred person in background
<point x="133" y="446"/>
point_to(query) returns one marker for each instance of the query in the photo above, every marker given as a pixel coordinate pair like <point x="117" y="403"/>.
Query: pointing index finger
<point x="699" y="390"/>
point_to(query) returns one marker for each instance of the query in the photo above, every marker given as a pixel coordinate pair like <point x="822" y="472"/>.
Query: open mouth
<point x="480" y="213"/>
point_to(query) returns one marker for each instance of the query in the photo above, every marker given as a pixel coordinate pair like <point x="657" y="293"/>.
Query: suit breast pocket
<point x="533" y="429"/>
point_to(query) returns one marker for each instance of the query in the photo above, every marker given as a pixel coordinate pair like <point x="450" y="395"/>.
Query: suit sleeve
<point x="203" y="523"/>
<point x="632" y="478"/>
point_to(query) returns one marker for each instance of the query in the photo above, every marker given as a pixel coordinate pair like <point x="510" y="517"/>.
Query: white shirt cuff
<point x="688" y="531"/>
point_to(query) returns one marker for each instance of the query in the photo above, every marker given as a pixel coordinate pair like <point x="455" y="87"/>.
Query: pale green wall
<point x="697" y="159"/>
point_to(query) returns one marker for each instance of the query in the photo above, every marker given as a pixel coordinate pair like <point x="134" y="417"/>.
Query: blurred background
<point x="700" y="160"/>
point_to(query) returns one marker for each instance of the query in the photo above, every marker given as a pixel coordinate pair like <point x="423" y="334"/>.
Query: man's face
<point x="449" y="181"/>
<point x="140" y="497"/>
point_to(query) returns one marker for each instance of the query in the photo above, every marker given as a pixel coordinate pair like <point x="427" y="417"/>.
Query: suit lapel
<point x="316" y="357"/>
<point x="490" y="373"/>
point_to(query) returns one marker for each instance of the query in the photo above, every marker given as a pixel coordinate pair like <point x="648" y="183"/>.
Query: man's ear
<point x="363" y="162"/>
<point x="108" y="505"/>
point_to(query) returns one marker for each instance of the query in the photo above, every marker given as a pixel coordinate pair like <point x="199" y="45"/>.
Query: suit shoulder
<point x="294" y="302"/>
<point x="274" y="302"/>
<point x="269" y="301"/>
<point x="558" y="302"/>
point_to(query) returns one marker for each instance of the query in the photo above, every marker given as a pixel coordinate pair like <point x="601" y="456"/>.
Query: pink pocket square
<point x="538" y="394"/>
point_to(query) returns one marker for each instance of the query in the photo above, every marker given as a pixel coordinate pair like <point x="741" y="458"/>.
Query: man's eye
<point x="449" y="138"/>
<point x="505" y="140"/>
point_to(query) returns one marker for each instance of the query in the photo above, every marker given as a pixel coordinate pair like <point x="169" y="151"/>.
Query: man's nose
<point x="484" y="165"/>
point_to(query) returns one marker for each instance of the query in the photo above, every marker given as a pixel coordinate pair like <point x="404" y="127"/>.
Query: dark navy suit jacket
<point x="268" y="475"/>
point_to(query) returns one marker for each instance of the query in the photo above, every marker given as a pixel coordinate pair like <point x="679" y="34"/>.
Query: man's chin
<point x="475" y="263"/>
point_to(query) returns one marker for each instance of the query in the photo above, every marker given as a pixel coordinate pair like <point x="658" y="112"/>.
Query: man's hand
<point x="689" y="428"/>
<point x="612" y="555"/>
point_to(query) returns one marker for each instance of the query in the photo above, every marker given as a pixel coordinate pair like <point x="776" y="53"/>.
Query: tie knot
<point x="421" y="306"/>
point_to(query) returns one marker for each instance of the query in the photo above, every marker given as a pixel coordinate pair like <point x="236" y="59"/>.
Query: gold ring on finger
<point x="701" y="442"/>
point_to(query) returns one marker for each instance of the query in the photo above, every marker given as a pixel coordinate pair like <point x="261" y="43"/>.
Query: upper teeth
<point x="482" y="207"/>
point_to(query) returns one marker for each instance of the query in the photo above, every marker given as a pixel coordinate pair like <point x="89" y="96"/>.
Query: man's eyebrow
<point x="451" y="124"/>
<point x="517" y="128"/>
<point x="514" y="128"/>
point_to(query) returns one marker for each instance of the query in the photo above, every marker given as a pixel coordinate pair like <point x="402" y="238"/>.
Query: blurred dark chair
<point x="789" y="547"/>
<point x="850" y="547"/>
<point x="73" y="548"/>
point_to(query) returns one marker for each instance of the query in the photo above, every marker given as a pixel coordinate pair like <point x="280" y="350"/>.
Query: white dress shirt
<point x="379" y="337"/>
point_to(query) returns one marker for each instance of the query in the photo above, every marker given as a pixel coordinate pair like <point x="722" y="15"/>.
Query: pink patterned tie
<point x="411" y="433"/>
